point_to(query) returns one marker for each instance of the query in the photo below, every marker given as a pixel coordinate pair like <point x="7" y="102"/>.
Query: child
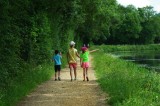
<point x="72" y="55"/>
<point x="84" y="61"/>
<point x="57" y="64"/>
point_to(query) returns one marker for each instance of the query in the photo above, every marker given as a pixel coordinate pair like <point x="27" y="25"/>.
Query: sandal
<point x="59" y="78"/>
<point x="87" y="78"/>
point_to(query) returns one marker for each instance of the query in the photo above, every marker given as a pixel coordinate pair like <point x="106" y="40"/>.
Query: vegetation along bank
<point x="125" y="82"/>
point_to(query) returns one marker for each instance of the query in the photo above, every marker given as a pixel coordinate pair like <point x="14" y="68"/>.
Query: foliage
<point x="148" y="23"/>
<point x="31" y="30"/>
<point x="28" y="36"/>
<point x="22" y="85"/>
<point x="112" y="48"/>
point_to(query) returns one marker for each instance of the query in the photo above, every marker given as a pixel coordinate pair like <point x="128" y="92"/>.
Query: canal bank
<point x="149" y="59"/>
<point x="126" y="82"/>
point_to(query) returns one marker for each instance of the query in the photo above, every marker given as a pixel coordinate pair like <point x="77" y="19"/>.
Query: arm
<point x="60" y="54"/>
<point x="93" y="50"/>
<point x="67" y="57"/>
<point x="80" y="61"/>
<point x="77" y="54"/>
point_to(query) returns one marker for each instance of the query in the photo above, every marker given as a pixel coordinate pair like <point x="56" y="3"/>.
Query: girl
<point x="84" y="61"/>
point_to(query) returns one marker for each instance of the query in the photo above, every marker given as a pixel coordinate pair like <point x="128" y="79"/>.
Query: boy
<point x="57" y="64"/>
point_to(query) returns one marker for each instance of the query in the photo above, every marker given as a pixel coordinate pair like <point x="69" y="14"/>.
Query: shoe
<point x="87" y="78"/>
<point x="71" y="79"/>
<point x="59" y="78"/>
<point x="55" y="79"/>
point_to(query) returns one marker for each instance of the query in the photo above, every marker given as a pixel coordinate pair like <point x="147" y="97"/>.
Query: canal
<point x="147" y="59"/>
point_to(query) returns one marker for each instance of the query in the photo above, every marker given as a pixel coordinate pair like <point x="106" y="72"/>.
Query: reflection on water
<point x="148" y="59"/>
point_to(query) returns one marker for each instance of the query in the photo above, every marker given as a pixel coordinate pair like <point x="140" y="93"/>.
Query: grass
<point x="21" y="86"/>
<point x="112" y="48"/>
<point x="126" y="83"/>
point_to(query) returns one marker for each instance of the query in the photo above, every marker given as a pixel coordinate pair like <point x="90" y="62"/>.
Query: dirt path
<point x="67" y="93"/>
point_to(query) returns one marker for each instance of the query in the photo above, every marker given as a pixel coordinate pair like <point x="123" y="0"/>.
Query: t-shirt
<point x="57" y="59"/>
<point x="72" y="55"/>
<point x="85" y="56"/>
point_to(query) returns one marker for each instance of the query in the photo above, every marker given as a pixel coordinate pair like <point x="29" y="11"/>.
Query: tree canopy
<point x="31" y="29"/>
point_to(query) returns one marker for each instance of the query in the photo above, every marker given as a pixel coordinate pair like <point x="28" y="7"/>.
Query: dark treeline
<point x="30" y="29"/>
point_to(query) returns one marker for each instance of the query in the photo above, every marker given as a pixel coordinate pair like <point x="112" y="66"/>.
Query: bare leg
<point x="83" y="74"/>
<point x="87" y="74"/>
<point x="59" y="76"/>
<point x="55" y="75"/>
<point x="70" y="72"/>
<point x="75" y="72"/>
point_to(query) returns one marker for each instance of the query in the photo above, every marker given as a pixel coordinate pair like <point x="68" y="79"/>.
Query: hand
<point x="81" y="64"/>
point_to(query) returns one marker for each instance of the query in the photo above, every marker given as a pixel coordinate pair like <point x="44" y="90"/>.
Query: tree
<point x="156" y="19"/>
<point x="148" y="33"/>
<point x="128" y="29"/>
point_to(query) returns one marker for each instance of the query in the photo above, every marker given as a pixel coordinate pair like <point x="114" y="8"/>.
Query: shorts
<point x="57" y="68"/>
<point x="85" y="64"/>
<point x="74" y="65"/>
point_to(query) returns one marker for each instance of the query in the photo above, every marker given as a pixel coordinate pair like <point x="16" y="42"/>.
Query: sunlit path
<point x="67" y="93"/>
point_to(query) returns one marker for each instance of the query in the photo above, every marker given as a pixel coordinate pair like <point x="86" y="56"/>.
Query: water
<point x="147" y="59"/>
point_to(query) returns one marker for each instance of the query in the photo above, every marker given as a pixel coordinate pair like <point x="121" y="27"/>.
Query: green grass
<point x="126" y="83"/>
<point x="21" y="86"/>
<point x="112" y="48"/>
<point x="27" y="81"/>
